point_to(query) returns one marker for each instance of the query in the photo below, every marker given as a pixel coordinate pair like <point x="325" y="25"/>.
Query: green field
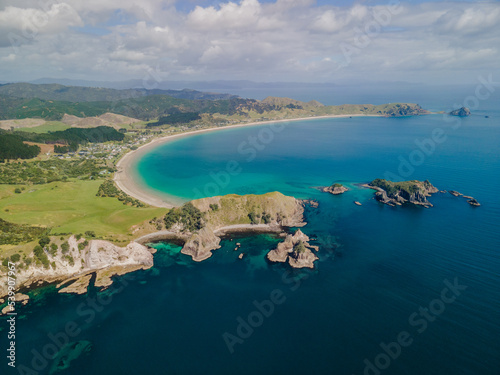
<point x="49" y="126"/>
<point x="72" y="207"/>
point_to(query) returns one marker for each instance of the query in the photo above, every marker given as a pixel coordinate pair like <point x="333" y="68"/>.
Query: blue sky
<point x="261" y="40"/>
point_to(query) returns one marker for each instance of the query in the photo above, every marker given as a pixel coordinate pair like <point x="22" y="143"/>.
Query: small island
<point x="335" y="189"/>
<point x="398" y="193"/>
<point x="461" y="112"/>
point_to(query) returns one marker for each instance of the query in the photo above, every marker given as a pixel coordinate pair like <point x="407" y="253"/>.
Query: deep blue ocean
<point x="397" y="290"/>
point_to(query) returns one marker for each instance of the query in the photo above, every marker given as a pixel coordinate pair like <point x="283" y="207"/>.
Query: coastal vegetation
<point x="46" y="171"/>
<point x="188" y="217"/>
<point x="13" y="234"/>
<point x="409" y="187"/>
<point x="109" y="189"/>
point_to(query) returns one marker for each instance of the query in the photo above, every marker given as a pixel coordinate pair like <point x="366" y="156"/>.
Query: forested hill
<point x="97" y="94"/>
<point x="19" y="101"/>
<point x="12" y="145"/>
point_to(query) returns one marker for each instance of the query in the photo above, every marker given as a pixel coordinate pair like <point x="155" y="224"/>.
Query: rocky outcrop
<point x="79" y="286"/>
<point x="295" y="250"/>
<point x="20" y="300"/>
<point x="78" y="263"/>
<point x="201" y="244"/>
<point x="473" y="202"/>
<point x="335" y="189"/>
<point x="461" y="112"/>
<point x="398" y="193"/>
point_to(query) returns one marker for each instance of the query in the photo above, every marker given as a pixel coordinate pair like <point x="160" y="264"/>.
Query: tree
<point x="44" y="241"/>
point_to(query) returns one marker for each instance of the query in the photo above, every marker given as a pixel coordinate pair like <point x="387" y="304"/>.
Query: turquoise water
<point x="378" y="265"/>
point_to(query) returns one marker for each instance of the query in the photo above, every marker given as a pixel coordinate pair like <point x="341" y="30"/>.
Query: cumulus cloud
<point x="282" y="40"/>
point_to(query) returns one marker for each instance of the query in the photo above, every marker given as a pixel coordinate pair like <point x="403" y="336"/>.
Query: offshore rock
<point x="295" y="250"/>
<point x="461" y="112"/>
<point x="335" y="189"/>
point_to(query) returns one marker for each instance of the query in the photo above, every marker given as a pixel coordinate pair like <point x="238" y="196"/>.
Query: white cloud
<point x="284" y="40"/>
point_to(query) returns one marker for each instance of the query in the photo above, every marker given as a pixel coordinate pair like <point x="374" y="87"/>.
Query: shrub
<point x="65" y="248"/>
<point x="41" y="256"/>
<point x="17" y="191"/>
<point x="53" y="249"/>
<point x="253" y="218"/>
<point x="15" y="258"/>
<point x="266" y="218"/>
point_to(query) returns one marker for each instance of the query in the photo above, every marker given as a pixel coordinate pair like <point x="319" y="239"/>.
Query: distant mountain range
<point x="179" y="85"/>
<point x="97" y="94"/>
<point x="54" y="101"/>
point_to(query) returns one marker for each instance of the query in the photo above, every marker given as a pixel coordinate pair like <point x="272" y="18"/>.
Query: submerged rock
<point x="68" y="354"/>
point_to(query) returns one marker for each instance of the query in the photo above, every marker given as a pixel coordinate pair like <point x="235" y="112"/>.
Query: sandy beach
<point x="127" y="181"/>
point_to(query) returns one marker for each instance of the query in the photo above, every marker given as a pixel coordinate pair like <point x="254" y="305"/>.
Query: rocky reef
<point x="335" y="189"/>
<point x="461" y="112"/>
<point x="295" y="250"/>
<point x="398" y="193"/>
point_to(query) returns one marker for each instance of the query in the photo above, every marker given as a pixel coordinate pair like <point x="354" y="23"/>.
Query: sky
<point x="261" y="40"/>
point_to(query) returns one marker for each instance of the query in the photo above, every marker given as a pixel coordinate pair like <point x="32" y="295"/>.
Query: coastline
<point x="127" y="180"/>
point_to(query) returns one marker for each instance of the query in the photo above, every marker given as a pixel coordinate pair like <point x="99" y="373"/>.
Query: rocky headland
<point x="201" y="223"/>
<point x="398" y="193"/>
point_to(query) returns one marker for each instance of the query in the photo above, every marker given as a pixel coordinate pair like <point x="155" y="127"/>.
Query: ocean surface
<point x="396" y="290"/>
